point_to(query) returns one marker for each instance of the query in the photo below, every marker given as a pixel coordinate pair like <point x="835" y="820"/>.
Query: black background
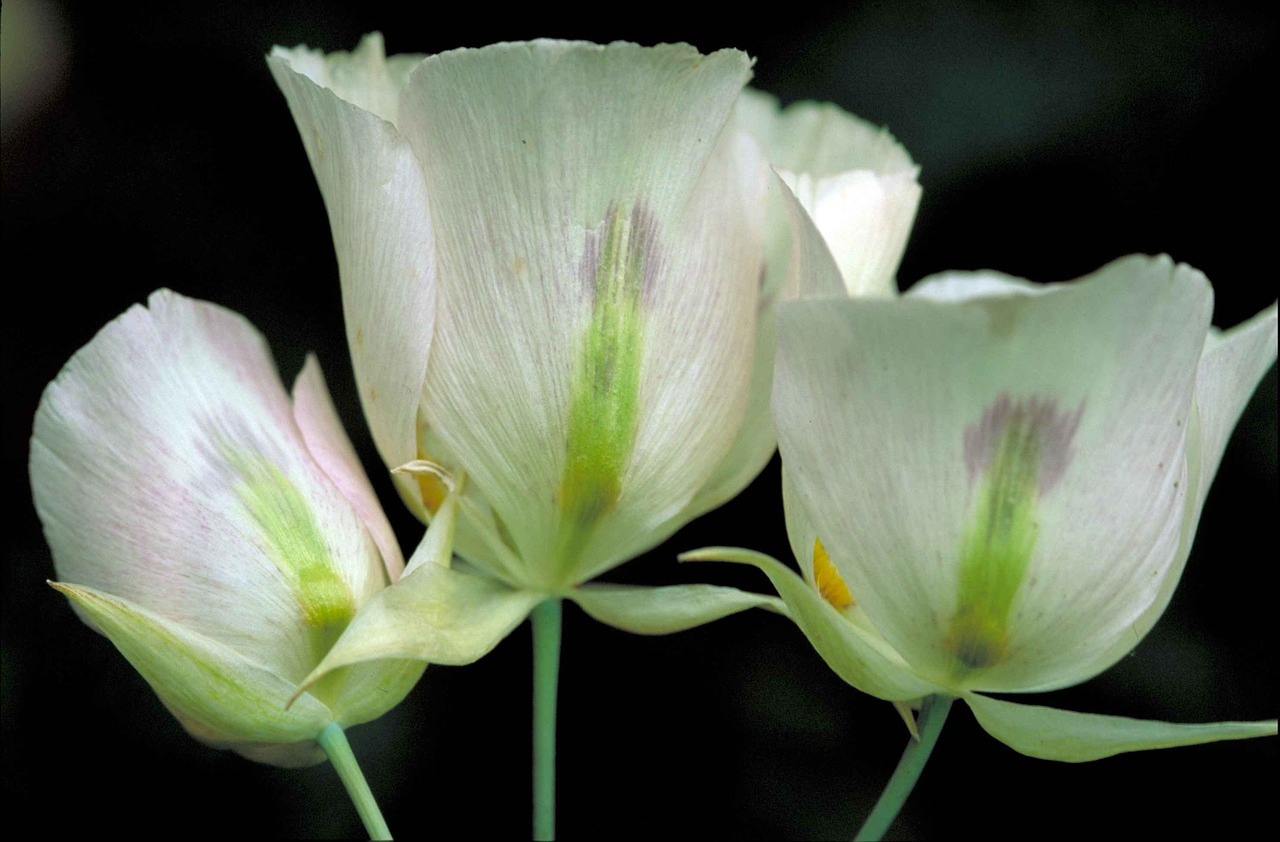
<point x="151" y="148"/>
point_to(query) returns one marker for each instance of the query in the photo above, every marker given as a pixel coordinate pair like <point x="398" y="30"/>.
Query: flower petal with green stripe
<point x="551" y="255"/>
<point x="992" y="486"/>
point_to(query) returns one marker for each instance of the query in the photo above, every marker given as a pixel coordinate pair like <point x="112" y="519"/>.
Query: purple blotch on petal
<point x="641" y="262"/>
<point x="1053" y="430"/>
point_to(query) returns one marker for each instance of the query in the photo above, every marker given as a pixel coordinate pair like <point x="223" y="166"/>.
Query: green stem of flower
<point x="546" y="679"/>
<point x="335" y="745"/>
<point x="932" y="716"/>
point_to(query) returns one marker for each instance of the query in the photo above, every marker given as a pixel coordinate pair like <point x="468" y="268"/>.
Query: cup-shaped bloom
<point x="550" y="256"/>
<point x="994" y="486"/>
<point x="221" y="535"/>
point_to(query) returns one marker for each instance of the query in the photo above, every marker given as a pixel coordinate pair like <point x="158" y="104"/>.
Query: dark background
<point x="146" y="149"/>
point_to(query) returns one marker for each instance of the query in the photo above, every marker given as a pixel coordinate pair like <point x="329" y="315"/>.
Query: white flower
<point x="550" y="256"/>
<point x="221" y="535"/>
<point x="993" y="486"/>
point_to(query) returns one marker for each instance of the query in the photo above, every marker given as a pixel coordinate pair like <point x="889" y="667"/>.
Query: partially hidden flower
<point x="993" y="486"/>
<point x="221" y="535"/>
<point x="848" y="184"/>
<point x="550" y="255"/>
<point x="853" y="179"/>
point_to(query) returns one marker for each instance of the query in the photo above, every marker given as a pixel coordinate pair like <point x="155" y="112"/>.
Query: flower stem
<point x="546" y="678"/>
<point x="932" y="716"/>
<point x="334" y="742"/>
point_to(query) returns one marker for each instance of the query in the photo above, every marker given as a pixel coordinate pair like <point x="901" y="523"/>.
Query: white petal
<point x="857" y="182"/>
<point x="1230" y="368"/>
<point x="865" y="219"/>
<point x="168" y="471"/>
<point x="1053" y="734"/>
<point x="1233" y="363"/>
<point x="376" y="198"/>
<point x="699" y="366"/>
<point x="321" y="429"/>
<point x="797" y="262"/>
<point x="528" y="149"/>
<point x="859" y="209"/>
<point x="812" y="271"/>
<point x="478" y="537"/>
<point x="873" y="400"/>
<point x="966" y="286"/>
<point x="820" y="139"/>
<point x="755" y="443"/>
<point x="665" y="610"/>
<point x="364" y="77"/>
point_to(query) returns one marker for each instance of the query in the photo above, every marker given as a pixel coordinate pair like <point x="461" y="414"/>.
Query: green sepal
<point x="1053" y="734"/>
<point x="434" y="613"/>
<point x="363" y="692"/>
<point x="219" y="696"/>
<point x="861" y="659"/>
<point x="669" y="609"/>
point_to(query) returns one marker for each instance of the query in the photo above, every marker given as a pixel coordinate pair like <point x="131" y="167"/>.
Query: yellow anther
<point x="827" y="579"/>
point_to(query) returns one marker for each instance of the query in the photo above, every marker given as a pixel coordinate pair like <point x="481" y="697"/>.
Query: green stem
<point x="546" y="680"/>
<point x="335" y="745"/>
<point x="932" y="716"/>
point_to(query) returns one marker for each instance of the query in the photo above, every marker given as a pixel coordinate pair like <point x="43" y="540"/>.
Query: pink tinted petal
<point x="321" y="428"/>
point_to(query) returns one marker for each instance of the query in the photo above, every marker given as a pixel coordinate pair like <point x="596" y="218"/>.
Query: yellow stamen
<point x="827" y="579"/>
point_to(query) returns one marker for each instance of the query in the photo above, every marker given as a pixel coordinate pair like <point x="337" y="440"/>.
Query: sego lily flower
<point x="231" y="533"/>
<point x="550" y="259"/>
<point x="993" y="486"/>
